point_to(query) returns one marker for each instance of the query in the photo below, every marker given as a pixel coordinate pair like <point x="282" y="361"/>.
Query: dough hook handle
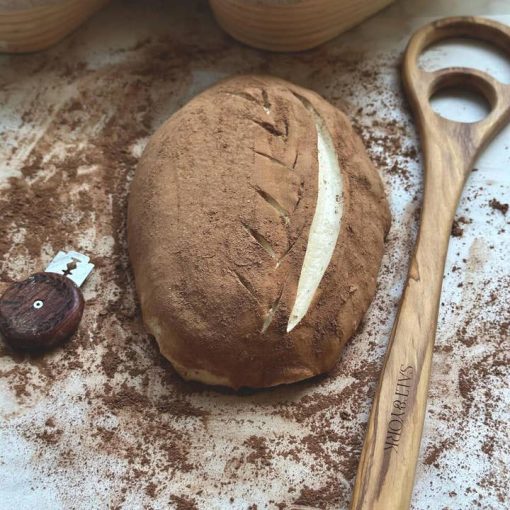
<point x="390" y="452"/>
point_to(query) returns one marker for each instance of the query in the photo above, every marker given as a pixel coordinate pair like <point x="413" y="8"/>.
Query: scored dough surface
<point x="219" y="219"/>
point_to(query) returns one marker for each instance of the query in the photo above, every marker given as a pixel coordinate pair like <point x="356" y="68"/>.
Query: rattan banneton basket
<point x="291" y="25"/>
<point x="34" y="25"/>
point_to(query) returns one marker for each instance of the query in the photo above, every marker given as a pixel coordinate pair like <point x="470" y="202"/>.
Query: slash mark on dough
<point x="261" y="240"/>
<point x="289" y="249"/>
<point x="273" y="203"/>
<point x="245" y="283"/>
<point x="266" y="103"/>
<point x="325" y="227"/>
<point x="244" y="95"/>
<point x="271" y="312"/>
<point x="270" y="128"/>
<point x="271" y="158"/>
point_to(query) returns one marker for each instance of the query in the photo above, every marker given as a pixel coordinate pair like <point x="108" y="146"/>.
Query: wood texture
<point x="291" y="26"/>
<point x="40" y="312"/>
<point x="37" y="28"/>
<point x="387" y="467"/>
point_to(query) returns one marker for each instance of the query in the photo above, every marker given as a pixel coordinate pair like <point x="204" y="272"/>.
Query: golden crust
<point x="219" y="214"/>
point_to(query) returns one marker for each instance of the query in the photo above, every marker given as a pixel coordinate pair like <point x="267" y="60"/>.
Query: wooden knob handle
<point x="40" y="312"/>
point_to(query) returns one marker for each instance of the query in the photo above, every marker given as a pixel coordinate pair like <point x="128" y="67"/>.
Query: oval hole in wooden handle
<point x="458" y="104"/>
<point x="420" y="85"/>
<point x="470" y="27"/>
<point x="467" y="52"/>
<point x="466" y="78"/>
<point x="462" y="81"/>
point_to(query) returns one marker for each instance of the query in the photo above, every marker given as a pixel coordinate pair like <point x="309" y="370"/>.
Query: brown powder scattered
<point x="126" y="398"/>
<point x="260" y="454"/>
<point x="183" y="503"/>
<point x="111" y="362"/>
<point x="150" y="489"/>
<point x="488" y="446"/>
<point x="49" y="437"/>
<point x="326" y="496"/>
<point x="457" y="230"/>
<point x="70" y="191"/>
<point x="435" y="451"/>
<point x="498" y="206"/>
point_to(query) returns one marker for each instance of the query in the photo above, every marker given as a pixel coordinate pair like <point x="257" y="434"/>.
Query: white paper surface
<point x="458" y="431"/>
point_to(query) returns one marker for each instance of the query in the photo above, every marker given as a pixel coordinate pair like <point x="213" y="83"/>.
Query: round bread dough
<point x="256" y="229"/>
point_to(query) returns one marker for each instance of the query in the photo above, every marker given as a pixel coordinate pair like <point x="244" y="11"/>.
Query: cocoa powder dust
<point x="105" y="419"/>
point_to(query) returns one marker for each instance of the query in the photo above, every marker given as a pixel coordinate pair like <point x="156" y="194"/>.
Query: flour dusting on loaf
<point x="256" y="228"/>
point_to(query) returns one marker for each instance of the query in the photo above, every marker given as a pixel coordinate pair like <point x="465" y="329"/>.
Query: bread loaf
<point x="256" y="228"/>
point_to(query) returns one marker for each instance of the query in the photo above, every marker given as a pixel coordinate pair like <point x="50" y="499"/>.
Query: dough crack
<point x="245" y="283"/>
<point x="273" y="159"/>
<point x="261" y="240"/>
<point x="273" y="203"/>
<point x="325" y="227"/>
<point x="289" y="249"/>
<point x="270" y="128"/>
<point x="266" y="103"/>
<point x="244" y="95"/>
<point x="272" y="311"/>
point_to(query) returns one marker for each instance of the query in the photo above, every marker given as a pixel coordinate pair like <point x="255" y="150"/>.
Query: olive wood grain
<point x="390" y="452"/>
<point x="40" y="312"/>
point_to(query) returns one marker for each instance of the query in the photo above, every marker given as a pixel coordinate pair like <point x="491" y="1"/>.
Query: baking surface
<point x="105" y="422"/>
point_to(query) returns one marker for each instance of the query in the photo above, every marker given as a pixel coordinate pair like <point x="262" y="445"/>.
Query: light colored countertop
<point x="105" y="422"/>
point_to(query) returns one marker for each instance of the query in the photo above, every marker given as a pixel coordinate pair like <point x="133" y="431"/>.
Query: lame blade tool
<point x="45" y="309"/>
